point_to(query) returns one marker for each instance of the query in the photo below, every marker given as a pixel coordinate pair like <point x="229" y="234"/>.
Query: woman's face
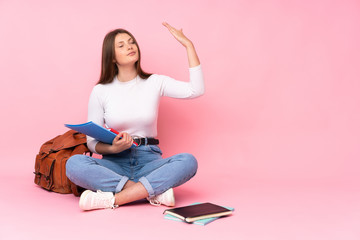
<point x="126" y="51"/>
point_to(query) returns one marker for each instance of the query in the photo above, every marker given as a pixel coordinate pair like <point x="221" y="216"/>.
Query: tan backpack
<point x="50" y="172"/>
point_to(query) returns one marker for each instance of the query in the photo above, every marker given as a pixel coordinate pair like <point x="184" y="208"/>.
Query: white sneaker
<point x="167" y="198"/>
<point x="90" y="200"/>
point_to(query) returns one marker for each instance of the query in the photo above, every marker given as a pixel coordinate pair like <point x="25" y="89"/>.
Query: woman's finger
<point x="128" y="137"/>
<point x="167" y="25"/>
<point x="117" y="137"/>
<point x="125" y="137"/>
<point x="170" y="28"/>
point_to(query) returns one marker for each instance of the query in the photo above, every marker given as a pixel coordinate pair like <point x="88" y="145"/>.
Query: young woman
<point x="126" y="99"/>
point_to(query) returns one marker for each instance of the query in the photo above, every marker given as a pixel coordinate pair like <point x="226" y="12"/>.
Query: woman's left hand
<point x="178" y="35"/>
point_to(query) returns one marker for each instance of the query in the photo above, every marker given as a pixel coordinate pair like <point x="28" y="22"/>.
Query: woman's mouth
<point x="132" y="54"/>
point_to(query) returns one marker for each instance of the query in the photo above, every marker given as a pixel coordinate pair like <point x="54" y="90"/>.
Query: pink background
<point x="276" y="134"/>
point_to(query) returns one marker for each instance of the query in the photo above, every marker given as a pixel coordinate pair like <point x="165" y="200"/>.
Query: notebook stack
<point x="198" y="213"/>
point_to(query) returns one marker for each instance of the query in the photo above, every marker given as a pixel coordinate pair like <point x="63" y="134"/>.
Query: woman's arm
<point x="120" y="143"/>
<point x="178" y="89"/>
<point x="190" y="49"/>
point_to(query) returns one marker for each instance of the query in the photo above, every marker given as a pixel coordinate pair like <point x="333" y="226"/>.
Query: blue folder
<point x="94" y="130"/>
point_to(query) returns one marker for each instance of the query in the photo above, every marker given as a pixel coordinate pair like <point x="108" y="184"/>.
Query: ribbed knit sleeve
<point x="178" y="89"/>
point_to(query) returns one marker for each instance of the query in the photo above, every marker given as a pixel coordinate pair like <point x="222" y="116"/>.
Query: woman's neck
<point x="126" y="73"/>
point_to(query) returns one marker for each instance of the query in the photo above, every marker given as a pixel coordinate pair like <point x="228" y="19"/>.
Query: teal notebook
<point x="201" y="222"/>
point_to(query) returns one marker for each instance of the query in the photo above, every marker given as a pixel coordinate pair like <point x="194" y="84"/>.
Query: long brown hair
<point x="108" y="67"/>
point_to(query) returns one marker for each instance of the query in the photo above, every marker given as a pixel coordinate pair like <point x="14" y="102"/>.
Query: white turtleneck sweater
<point x="132" y="106"/>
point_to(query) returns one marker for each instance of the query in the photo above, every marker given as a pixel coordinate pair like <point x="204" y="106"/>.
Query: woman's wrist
<point x="112" y="149"/>
<point x="189" y="45"/>
<point x="103" y="148"/>
<point x="193" y="59"/>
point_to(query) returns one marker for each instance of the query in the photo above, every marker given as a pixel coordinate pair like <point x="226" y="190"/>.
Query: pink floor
<point x="264" y="210"/>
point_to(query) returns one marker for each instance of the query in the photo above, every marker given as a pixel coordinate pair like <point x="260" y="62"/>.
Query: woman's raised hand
<point x="190" y="49"/>
<point x="178" y="35"/>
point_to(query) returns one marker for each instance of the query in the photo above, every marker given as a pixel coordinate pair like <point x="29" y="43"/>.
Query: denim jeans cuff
<point x="147" y="186"/>
<point x="121" y="184"/>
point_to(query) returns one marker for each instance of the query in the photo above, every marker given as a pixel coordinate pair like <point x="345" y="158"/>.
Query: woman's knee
<point x="190" y="161"/>
<point x="73" y="163"/>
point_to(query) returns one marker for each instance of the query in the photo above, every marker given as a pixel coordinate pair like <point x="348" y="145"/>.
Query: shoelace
<point x="104" y="200"/>
<point x="154" y="202"/>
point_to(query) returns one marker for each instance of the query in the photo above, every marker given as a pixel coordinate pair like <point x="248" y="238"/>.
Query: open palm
<point x="178" y="35"/>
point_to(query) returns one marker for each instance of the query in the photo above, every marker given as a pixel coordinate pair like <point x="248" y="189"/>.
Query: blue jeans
<point x="140" y="164"/>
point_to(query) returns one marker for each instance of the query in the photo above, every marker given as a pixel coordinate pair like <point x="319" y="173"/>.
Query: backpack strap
<point x="68" y="140"/>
